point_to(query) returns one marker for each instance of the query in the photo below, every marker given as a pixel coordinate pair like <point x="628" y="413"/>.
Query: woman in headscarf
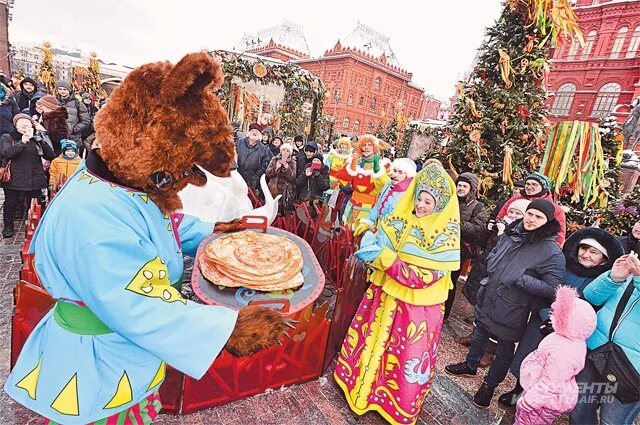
<point x="387" y="361"/>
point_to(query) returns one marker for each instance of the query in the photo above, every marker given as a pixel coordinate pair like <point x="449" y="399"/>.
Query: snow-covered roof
<point x="372" y="42"/>
<point x="287" y="34"/>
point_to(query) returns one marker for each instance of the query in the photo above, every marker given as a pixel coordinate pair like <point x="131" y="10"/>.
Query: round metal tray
<point x="287" y="301"/>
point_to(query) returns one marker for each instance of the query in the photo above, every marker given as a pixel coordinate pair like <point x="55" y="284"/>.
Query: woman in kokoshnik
<point x="387" y="361"/>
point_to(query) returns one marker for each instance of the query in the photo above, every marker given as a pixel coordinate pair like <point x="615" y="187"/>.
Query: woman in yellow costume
<point x="387" y="361"/>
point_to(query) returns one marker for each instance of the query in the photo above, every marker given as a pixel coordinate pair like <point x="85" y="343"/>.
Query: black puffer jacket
<point x="27" y="173"/>
<point x="23" y="98"/>
<point x="78" y="117"/>
<point x="522" y="269"/>
<point x="313" y="186"/>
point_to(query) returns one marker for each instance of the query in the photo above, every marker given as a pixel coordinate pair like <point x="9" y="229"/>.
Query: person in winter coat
<point x="281" y="177"/>
<point x="8" y="110"/>
<point x="526" y="264"/>
<point x="631" y="242"/>
<point x="595" y="391"/>
<point x="473" y="222"/>
<point x="275" y="144"/>
<point x="28" y="89"/>
<point x="588" y="253"/>
<point x="53" y="118"/>
<point x="306" y="156"/>
<point x="78" y="116"/>
<point x="313" y="181"/>
<point x="549" y="373"/>
<point x="478" y="271"/>
<point x="538" y="186"/>
<point x="87" y="100"/>
<point x="25" y="150"/>
<point x="63" y="166"/>
<point x="253" y="158"/>
<point x="267" y="136"/>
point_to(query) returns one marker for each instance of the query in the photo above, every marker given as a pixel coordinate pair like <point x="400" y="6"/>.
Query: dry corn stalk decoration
<point x="505" y="68"/>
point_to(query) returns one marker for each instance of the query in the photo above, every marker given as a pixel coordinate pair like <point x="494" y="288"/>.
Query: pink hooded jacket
<point x="548" y="374"/>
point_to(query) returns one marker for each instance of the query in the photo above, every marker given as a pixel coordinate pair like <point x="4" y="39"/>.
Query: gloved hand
<point x="362" y="227"/>
<point x="546" y="328"/>
<point x="370" y="248"/>
<point x="376" y="163"/>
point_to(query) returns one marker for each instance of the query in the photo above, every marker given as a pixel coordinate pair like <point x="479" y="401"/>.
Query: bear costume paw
<point x="256" y="328"/>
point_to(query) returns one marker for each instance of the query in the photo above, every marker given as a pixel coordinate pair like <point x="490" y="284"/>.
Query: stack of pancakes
<point x="253" y="260"/>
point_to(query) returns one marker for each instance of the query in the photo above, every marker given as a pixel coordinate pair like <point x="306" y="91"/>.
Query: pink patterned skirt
<point x="387" y="361"/>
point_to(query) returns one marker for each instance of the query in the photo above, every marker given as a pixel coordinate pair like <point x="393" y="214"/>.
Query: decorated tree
<point x="92" y="82"/>
<point x="499" y="120"/>
<point x="46" y="74"/>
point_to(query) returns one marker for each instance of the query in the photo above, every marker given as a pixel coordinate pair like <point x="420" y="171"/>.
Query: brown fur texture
<point x="228" y="226"/>
<point x="55" y="122"/>
<point x="166" y="119"/>
<point x="256" y="328"/>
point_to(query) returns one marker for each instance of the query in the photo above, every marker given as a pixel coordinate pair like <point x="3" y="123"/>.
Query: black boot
<point x="509" y="399"/>
<point x="483" y="397"/>
<point x="8" y="230"/>
<point x="460" y="369"/>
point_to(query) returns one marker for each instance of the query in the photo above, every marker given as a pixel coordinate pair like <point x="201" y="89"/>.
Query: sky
<point x="436" y="41"/>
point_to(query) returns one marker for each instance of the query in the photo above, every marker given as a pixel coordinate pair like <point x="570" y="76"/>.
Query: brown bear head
<point x="161" y="122"/>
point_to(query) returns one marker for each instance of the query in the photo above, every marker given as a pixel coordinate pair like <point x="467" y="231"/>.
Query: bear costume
<point x="109" y="249"/>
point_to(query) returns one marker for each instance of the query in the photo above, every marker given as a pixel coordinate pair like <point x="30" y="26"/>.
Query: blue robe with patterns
<point x="111" y="249"/>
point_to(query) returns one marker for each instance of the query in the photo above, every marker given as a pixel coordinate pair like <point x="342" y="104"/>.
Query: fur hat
<point x="255" y="126"/>
<point x="162" y="123"/>
<point x="572" y="317"/>
<point x="405" y="164"/>
<point x="48" y="101"/>
<point x="545" y="207"/>
<point x="472" y="180"/>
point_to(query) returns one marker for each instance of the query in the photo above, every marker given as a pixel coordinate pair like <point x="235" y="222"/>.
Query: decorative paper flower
<point x="523" y="111"/>
<point x="475" y="136"/>
<point x="620" y="209"/>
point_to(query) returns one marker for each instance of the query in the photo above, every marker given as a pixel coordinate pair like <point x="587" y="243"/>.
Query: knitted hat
<point x="318" y="155"/>
<point x="405" y="164"/>
<point x="16" y="117"/>
<point x="64" y="84"/>
<point x="48" y="101"/>
<point x="68" y="144"/>
<point x="545" y="207"/>
<point x="541" y="179"/>
<point x="255" y="126"/>
<point x="597" y="245"/>
<point x="520" y="205"/>
<point x="287" y="146"/>
<point x="298" y="138"/>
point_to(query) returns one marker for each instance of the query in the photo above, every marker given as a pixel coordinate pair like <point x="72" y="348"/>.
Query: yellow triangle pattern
<point x="152" y="280"/>
<point x="93" y="180"/>
<point x="67" y="401"/>
<point x="361" y="188"/>
<point x="159" y="376"/>
<point x="123" y="394"/>
<point x="84" y="176"/>
<point x="169" y="228"/>
<point x="145" y="198"/>
<point x="30" y="382"/>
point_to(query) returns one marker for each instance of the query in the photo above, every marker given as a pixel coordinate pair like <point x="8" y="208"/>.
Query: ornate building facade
<point x="367" y="86"/>
<point x="602" y="77"/>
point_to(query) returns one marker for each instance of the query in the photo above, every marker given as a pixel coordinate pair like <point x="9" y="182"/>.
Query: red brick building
<point x="588" y="83"/>
<point x="366" y="83"/>
<point x="430" y="108"/>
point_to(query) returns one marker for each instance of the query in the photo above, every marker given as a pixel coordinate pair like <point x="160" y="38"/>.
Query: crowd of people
<point x="43" y="137"/>
<point x="544" y="303"/>
<point x="557" y="312"/>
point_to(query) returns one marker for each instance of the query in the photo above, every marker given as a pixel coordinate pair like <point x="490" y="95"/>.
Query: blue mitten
<point x="370" y="248"/>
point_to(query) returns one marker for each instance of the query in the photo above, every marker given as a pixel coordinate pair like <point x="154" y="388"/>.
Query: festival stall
<point x="268" y="91"/>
